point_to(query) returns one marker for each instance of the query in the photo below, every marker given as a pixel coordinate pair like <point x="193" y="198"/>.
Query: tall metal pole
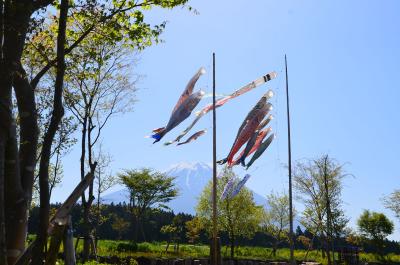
<point x="214" y="189"/>
<point x="292" y="261"/>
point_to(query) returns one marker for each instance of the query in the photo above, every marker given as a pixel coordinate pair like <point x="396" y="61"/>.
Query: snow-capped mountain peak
<point x="190" y="179"/>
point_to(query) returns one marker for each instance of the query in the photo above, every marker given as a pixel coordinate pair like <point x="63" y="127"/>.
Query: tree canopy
<point x="238" y="217"/>
<point x="276" y="219"/>
<point x="147" y="188"/>
<point x="374" y="225"/>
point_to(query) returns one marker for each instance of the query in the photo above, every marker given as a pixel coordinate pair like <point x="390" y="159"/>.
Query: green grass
<point x="157" y="250"/>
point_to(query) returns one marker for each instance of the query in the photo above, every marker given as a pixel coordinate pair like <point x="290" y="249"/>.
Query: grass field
<point x="157" y="250"/>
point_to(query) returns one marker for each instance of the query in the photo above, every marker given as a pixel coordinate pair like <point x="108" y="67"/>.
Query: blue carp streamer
<point x="239" y="186"/>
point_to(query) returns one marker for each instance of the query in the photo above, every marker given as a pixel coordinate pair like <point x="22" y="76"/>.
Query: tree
<point x="62" y="143"/>
<point x="375" y="227"/>
<point x="170" y="231"/>
<point x="98" y="87"/>
<point x="104" y="180"/>
<point x="20" y="21"/>
<point x="298" y="232"/>
<point x="305" y="241"/>
<point x="175" y="231"/>
<point x="238" y="217"/>
<point x="147" y="188"/>
<point x="276" y="219"/>
<point x="119" y="225"/>
<point x="194" y="228"/>
<point x="48" y="138"/>
<point x="392" y="202"/>
<point x="64" y="138"/>
<point x="353" y="238"/>
<point x="318" y="183"/>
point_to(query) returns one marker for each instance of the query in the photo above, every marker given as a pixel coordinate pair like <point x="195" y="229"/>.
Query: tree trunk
<point x="3" y="243"/>
<point x="142" y="229"/>
<point x="232" y="243"/>
<point x="57" y="114"/>
<point x="137" y="228"/>
<point x="55" y="244"/>
<point x="88" y="226"/>
<point x="86" y="243"/>
<point x="3" y="246"/>
<point x="15" y="165"/>
<point x="310" y="246"/>
<point x="166" y="249"/>
<point x="86" y="240"/>
<point x="327" y="250"/>
<point x="274" y="247"/>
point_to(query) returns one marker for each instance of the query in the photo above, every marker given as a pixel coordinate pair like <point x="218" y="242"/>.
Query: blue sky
<point x="343" y="61"/>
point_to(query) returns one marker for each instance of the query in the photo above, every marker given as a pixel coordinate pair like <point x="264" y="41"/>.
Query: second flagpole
<point x="215" y="246"/>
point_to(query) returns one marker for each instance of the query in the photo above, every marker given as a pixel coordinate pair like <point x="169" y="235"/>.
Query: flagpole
<point x="292" y="261"/>
<point x="215" y="242"/>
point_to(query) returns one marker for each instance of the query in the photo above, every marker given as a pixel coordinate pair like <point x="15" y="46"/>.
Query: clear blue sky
<point x="344" y="60"/>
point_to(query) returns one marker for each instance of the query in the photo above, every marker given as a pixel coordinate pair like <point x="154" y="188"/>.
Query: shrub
<point x="144" y="247"/>
<point x="127" y="247"/>
<point x="93" y="262"/>
<point x="133" y="262"/>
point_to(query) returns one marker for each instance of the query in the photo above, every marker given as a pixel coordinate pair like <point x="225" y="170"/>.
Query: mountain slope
<point x="191" y="178"/>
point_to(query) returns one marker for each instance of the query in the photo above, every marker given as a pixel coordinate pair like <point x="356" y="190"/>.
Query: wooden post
<point x="93" y="246"/>
<point x="292" y="261"/>
<point x="55" y="243"/>
<point x="215" y="252"/>
<point x="60" y="218"/>
<point x="69" y="251"/>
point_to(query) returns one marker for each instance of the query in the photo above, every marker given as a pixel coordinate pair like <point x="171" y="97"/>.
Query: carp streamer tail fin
<point x="222" y="161"/>
<point x="158" y="134"/>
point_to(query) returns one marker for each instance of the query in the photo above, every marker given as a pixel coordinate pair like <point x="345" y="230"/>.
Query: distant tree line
<point x="119" y="224"/>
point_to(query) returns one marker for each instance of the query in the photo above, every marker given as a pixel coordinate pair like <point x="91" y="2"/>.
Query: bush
<point x="93" y="262"/>
<point x="133" y="262"/>
<point x="144" y="247"/>
<point x="127" y="247"/>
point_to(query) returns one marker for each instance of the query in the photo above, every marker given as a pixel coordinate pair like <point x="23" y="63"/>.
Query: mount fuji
<point x="191" y="178"/>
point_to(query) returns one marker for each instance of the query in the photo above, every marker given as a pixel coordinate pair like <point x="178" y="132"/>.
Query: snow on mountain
<point x="191" y="178"/>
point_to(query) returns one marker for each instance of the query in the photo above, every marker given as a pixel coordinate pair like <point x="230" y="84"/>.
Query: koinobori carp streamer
<point x="259" y="81"/>
<point x="180" y="114"/>
<point x="250" y="124"/>
<point x="261" y="150"/>
<point x="255" y="138"/>
<point x="227" y="189"/>
<point x="252" y="146"/>
<point x="189" y="88"/>
<point x="193" y="137"/>
<point x="183" y="108"/>
<point x="239" y="186"/>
